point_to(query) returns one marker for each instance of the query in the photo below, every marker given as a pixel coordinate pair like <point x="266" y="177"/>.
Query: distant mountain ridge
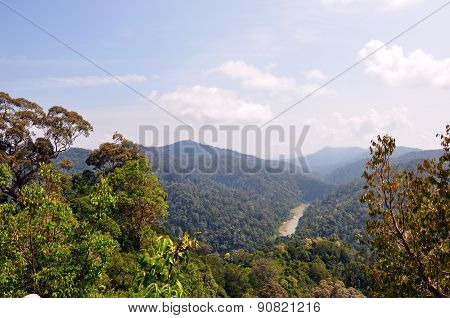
<point x="331" y="156"/>
<point x="340" y="212"/>
<point x="237" y="209"/>
<point x="78" y="157"/>
<point x="354" y="170"/>
<point x="328" y="159"/>
<point x="231" y="208"/>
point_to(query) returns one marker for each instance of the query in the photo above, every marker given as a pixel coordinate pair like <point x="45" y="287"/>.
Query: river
<point x="288" y="227"/>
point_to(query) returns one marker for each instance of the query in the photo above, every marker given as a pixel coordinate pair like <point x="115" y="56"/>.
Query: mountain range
<point x="231" y="208"/>
<point x="237" y="201"/>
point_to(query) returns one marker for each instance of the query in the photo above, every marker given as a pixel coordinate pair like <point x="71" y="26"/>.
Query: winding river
<point x="288" y="227"/>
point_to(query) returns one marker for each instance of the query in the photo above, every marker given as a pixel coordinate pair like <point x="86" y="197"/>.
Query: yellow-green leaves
<point x="103" y="199"/>
<point x="410" y="222"/>
<point x="5" y="175"/>
<point x="160" y="270"/>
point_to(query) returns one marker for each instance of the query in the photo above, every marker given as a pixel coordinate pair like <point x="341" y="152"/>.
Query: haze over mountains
<point x="352" y="170"/>
<point x="237" y="201"/>
<point x="343" y="165"/>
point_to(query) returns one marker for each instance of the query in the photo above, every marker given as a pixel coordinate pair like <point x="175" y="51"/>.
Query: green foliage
<point x="40" y="240"/>
<point x="94" y="257"/>
<point x="236" y="281"/>
<point x="290" y="269"/>
<point x="140" y="199"/>
<point x="103" y="199"/>
<point x="317" y="270"/>
<point x="69" y="236"/>
<point x="112" y="155"/>
<point x="5" y="175"/>
<point x="231" y="209"/>
<point x="100" y="232"/>
<point x="159" y="273"/>
<point x="198" y="280"/>
<point x="409" y="222"/>
<point x="338" y="213"/>
<point x="335" y="289"/>
<point x="20" y="123"/>
<point x="265" y="277"/>
<point x="234" y="211"/>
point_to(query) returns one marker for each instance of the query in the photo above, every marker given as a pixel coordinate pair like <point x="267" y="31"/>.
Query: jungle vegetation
<point x="100" y="228"/>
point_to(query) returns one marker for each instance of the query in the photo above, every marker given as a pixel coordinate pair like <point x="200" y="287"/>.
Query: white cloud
<point x="254" y="78"/>
<point x="214" y="105"/>
<point x="374" y="122"/>
<point x="80" y="81"/>
<point x="396" y="68"/>
<point x="251" y="77"/>
<point x="379" y="4"/>
<point x="316" y="74"/>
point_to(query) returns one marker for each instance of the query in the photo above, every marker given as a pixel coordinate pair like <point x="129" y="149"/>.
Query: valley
<point x="288" y="227"/>
<point x="231" y="209"/>
<point x="218" y="150"/>
<point x="155" y="222"/>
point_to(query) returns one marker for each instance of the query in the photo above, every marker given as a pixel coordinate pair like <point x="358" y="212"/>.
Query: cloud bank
<point x="254" y="78"/>
<point x="373" y="122"/>
<point x="214" y="105"/>
<point x="251" y="77"/>
<point x="397" y="68"/>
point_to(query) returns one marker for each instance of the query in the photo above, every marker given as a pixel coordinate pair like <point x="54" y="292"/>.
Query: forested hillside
<point x="337" y="214"/>
<point x="102" y="232"/>
<point x="292" y="268"/>
<point x="340" y="213"/>
<point x="77" y="156"/>
<point x="231" y="209"/>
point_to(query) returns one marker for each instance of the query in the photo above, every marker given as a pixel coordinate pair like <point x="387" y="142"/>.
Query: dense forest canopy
<point x="115" y="225"/>
<point x="229" y="208"/>
<point x="338" y="213"/>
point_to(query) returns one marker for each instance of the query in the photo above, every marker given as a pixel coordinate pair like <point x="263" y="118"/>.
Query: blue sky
<point x="236" y="62"/>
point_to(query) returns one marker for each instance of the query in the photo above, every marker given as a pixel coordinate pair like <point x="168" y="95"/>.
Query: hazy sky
<point x="236" y="62"/>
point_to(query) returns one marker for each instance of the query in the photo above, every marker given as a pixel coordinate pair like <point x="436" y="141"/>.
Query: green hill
<point x="231" y="208"/>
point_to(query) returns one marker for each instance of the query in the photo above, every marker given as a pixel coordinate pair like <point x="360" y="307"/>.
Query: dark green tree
<point x="140" y="199"/>
<point x="43" y="247"/>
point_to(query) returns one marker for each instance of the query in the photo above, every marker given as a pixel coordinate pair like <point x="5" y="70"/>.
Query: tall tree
<point x="409" y="224"/>
<point x="111" y="155"/>
<point x="140" y="198"/>
<point x="30" y="136"/>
